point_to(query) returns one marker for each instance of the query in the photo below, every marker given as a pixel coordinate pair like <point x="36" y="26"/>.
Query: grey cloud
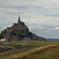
<point x="37" y="13"/>
<point x="54" y="15"/>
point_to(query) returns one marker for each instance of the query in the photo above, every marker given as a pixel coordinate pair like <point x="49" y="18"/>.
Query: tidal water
<point x="50" y="39"/>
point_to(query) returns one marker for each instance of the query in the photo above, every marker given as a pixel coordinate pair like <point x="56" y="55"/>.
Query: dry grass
<point x="28" y="53"/>
<point x="50" y="53"/>
<point x="24" y="55"/>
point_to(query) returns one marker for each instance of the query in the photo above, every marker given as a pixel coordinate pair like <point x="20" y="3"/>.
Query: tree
<point x="2" y="34"/>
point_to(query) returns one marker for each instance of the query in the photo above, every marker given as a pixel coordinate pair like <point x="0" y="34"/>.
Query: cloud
<point x="41" y="16"/>
<point x="57" y="28"/>
<point x="55" y="0"/>
<point x="42" y="20"/>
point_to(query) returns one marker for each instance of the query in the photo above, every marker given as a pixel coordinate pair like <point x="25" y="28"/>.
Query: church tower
<point x="19" y="19"/>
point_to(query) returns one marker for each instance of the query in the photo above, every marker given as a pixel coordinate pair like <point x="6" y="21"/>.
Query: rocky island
<point x="20" y="32"/>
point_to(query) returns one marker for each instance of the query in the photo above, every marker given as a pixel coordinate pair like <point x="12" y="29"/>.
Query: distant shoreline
<point x="49" y="39"/>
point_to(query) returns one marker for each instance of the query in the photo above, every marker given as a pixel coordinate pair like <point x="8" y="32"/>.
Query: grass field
<point x="15" y="44"/>
<point x="44" y="50"/>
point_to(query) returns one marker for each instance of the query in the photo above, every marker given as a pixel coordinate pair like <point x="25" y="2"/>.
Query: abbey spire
<point x="19" y="19"/>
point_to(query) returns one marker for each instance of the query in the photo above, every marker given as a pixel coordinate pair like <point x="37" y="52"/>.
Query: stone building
<point x="3" y="39"/>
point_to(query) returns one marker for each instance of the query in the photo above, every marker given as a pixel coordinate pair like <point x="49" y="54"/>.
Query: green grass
<point x="49" y="56"/>
<point x="23" y="57"/>
<point x="30" y="43"/>
<point x="39" y="51"/>
<point x="36" y="44"/>
<point x="46" y="57"/>
<point x="24" y="44"/>
<point x="35" y="52"/>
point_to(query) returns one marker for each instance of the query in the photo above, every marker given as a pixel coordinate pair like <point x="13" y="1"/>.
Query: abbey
<point x="20" y="32"/>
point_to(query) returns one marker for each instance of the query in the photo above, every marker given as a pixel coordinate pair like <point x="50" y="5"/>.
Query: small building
<point x="3" y="39"/>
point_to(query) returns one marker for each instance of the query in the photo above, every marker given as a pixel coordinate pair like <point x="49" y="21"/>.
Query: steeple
<point x="19" y="19"/>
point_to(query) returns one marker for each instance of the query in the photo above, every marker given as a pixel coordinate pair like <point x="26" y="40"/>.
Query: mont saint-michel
<point x="19" y="32"/>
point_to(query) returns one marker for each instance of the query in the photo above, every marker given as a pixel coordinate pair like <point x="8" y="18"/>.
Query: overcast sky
<point x="41" y="16"/>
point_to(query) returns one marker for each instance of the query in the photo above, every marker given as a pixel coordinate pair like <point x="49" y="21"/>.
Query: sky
<point x="41" y="16"/>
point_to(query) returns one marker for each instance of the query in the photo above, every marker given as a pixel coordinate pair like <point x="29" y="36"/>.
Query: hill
<point x="20" y="32"/>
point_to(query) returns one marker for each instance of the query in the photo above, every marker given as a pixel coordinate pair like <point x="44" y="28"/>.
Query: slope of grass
<point x="51" y="56"/>
<point x="39" y="51"/>
<point x="50" y="53"/>
<point x="29" y="53"/>
<point x="24" y="55"/>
